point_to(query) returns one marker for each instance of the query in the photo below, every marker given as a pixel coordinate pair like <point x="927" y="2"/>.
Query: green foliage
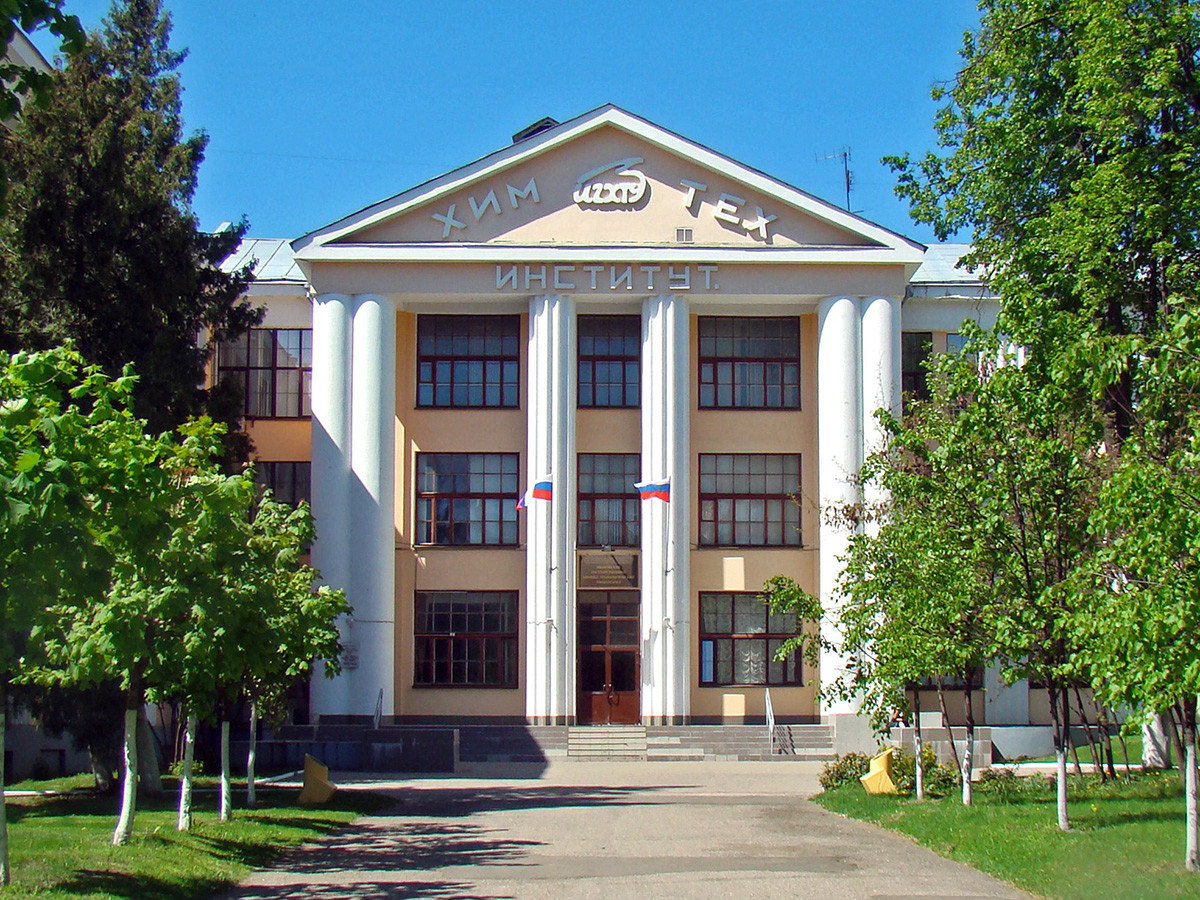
<point x="845" y="769"/>
<point x="939" y="779"/>
<point x="100" y="244"/>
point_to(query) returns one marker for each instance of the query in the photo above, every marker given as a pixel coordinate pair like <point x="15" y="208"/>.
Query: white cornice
<point x="608" y="115"/>
<point x="488" y="253"/>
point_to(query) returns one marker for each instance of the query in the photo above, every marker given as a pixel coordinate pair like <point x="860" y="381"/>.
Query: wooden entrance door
<point x="609" y="675"/>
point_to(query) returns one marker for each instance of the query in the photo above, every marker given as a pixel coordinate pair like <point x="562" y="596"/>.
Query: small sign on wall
<point x="607" y="571"/>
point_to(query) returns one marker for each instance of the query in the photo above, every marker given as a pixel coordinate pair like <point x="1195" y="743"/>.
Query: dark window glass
<point x="956" y="346"/>
<point x="468" y="361"/>
<point x="747" y="500"/>
<point x="288" y="482"/>
<point x="467" y="498"/>
<point x="739" y="638"/>
<point x="609" y="507"/>
<point x="273" y="369"/>
<point x="609" y="361"/>
<point x="465" y="639"/>
<point x="915" y="349"/>
<point x="749" y="363"/>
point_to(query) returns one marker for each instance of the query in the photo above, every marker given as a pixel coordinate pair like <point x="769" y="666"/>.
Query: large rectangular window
<point x="273" y="368"/>
<point x="609" y="507"/>
<point x="468" y="361"/>
<point x="916" y="347"/>
<point x="609" y="361"/>
<point x="288" y="482"/>
<point x="747" y="500"/>
<point x="465" y="639"/>
<point x="749" y="363"/>
<point x="739" y="637"/>
<point x="467" y="498"/>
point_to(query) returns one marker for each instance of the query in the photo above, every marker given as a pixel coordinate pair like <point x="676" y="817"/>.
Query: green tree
<point x="65" y="432"/>
<point x="100" y="244"/>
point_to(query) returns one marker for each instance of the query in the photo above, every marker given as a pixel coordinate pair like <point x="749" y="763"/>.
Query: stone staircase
<point x="739" y="742"/>
<point x="607" y="742"/>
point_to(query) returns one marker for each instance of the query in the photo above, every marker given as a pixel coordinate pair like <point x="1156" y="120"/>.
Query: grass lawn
<point x="1127" y="839"/>
<point x="60" y="845"/>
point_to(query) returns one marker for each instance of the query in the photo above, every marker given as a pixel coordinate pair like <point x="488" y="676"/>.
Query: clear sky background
<point x="317" y="109"/>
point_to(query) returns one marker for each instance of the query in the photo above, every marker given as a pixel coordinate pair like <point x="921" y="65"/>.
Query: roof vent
<point x="536" y="128"/>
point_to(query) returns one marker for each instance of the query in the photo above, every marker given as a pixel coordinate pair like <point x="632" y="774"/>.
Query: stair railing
<point x="770" y="723"/>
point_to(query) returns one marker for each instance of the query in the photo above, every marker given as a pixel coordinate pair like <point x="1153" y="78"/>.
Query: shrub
<point x="177" y="768"/>
<point x="1007" y="786"/>
<point x="939" y="779"/>
<point x="844" y="770"/>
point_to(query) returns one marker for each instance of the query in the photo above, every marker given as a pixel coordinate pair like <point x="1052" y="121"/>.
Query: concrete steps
<point x="607" y="742"/>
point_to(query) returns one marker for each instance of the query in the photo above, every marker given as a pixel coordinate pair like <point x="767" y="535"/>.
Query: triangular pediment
<point x="607" y="178"/>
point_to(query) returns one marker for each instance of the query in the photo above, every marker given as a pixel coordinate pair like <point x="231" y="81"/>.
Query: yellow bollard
<point x="878" y="779"/>
<point x="317" y="786"/>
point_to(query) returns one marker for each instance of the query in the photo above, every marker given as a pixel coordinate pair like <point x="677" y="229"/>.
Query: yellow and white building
<point x="600" y="303"/>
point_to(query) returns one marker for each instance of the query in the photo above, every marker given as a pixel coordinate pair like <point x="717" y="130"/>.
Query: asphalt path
<point x="613" y="830"/>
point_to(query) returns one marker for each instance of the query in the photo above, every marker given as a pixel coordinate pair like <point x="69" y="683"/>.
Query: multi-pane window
<point x="467" y="498"/>
<point x="289" y="482"/>
<point x="739" y="637"/>
<point x="465" y="639"/>
<point x="468" y="361"/>
<point x="956" y="345"/>
<point x="749" y="363"/>
<point x="608" y="502"/>
<point x="273" y="368"/>
<point x="915" y="349"/>
<point x="748" y="499"/>
<point x="609" y="360"/>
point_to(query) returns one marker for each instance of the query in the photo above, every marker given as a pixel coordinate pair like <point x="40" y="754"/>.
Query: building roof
<point x="941" y="266"/>
<point x="272" y="259"/>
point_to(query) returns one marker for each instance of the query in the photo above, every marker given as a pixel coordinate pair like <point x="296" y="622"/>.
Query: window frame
<point x="245" y="369"/>
<point x="914" y="382"/>
<point x="713" y="362"/>
<point x="508" y="328"/>
<point x="792" y="668"/>
<point x="267" y="476"/>
<point x="791" y="534"/>
<point x="631" y="394"/>
<point x="434" y="648"/>
<point x="505" y="500"/>
<point x="630" y="501"/>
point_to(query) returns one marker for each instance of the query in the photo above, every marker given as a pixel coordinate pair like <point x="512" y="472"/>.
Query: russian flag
<point x="541" y="490"/>
<point x="654" y="490"/>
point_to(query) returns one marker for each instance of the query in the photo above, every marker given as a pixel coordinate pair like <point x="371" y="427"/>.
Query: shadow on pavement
<point x="453" y="801"/>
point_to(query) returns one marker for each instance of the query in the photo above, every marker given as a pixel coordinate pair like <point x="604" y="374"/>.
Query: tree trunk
<point x="102" y="775"/>
<point x="129" y="762"/>
<point x="1058" y="696"/>
<point x="1093" y="741"/>
<point x="946" y="724"/>
<point x="969" y="749"/>
<point x="226" y="785"/>
<point x="185" y="781"/>
<point x="919" y="745"/>
<point x="1156" y="743"/>
<point x="5" y="874"/>
<point x="251" y="800"/>
<point x="149" y="771"/>
<point x="1192" y="858"/>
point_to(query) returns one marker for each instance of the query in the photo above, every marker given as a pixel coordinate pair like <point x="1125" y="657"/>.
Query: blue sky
<point x="313" y="114"/>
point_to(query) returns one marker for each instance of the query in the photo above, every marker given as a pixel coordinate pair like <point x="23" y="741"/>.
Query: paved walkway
<point x="613" y="830"/>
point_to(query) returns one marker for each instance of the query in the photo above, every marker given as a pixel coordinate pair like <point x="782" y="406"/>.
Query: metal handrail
<point x="770" y="724"/>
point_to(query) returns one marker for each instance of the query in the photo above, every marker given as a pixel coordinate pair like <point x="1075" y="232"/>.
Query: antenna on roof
<point x="844" y="156"/>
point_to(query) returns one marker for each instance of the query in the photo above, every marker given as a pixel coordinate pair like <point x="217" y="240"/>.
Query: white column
<point x="880" y="367"/>
<point x="839" y="439"/>
<point x="331" y="469"/>
<point x="665" y="412"/>
<point x="372" y="576"/>
<point x="550" y="526"/>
